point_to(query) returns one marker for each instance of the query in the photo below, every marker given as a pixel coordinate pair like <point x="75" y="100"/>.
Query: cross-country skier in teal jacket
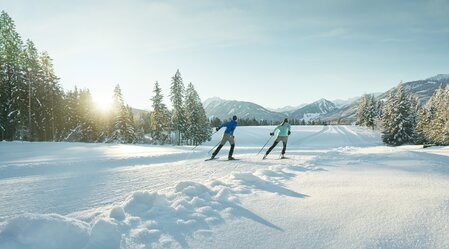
<point x="284" y="131"/>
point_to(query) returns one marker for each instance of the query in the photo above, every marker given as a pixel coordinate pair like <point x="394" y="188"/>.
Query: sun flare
<point x="103" y="102"/>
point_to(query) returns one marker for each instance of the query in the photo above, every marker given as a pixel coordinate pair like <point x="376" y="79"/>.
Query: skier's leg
<point x="231" y="151"/>
<point x="217" y="150"/>
<point x="272" y="147"/>
<point x="223" y="141"/>
<point x="284" y="148"/>
<point x="284" y="143"/>
<point x="269" y="150"/>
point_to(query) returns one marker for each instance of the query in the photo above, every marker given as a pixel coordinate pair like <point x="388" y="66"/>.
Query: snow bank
<point x="40" y="231"/>
<point x="150" y="219"/>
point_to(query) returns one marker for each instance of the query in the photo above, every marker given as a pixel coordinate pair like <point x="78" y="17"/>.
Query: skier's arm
<point x="222" y="125"/>
<point x="274" y="131"/>
<point x="289" y="130"/>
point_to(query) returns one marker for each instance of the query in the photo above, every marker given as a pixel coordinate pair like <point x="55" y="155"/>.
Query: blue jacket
<point x="230" y="127"/>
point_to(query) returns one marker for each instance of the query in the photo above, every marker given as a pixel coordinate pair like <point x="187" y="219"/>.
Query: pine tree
<point x="423" y="120"/>
<point x="367" y="111"/>
<point x="361" y="110"/>
<point x="160" y="117"/>
<point x="86" y="123"/>
<point x="443" y="114"/>
<point x="433" y="122"/>
<point x="371" y="110"/>
<point x="198" y="127"/>
<point x="399" y="120"/>
<point x="72" y="123"/>
<point x="131" y="130"/>
<point x="118" y="126"/>
<point x="178" y="114"/>
<point x="122" y="130"/>
<point x="12" y="87"/>
<point x="35" y="94"/>
<point x="54" y="98"/>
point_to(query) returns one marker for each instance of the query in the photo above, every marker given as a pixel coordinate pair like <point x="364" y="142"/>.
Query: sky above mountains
<point x="274" y="53"/>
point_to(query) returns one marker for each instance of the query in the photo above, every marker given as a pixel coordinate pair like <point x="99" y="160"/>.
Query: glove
<point x="271" y="133"/>
<point x="289" y="132"/>
<point x="218" y="128"/>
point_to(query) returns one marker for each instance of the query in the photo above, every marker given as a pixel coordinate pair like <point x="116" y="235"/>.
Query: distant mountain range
<point x="343" y="110"/>
<point x="224" y="109"/>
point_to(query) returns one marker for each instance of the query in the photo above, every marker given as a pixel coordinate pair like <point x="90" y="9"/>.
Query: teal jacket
<point x="283" y="129"/>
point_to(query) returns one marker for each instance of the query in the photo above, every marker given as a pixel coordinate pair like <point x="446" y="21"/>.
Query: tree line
<point x="34" y="107"/>
<point x="403" y="119"/>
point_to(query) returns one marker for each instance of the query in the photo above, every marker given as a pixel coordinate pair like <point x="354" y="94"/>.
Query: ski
<point x="212" y="159"/>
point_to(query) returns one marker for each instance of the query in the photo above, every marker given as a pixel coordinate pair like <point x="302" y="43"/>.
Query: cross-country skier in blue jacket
<point x="227" y="136"/>
<point x="284" y="131"/>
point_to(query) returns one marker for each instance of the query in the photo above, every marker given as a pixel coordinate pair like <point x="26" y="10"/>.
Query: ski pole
<point x="264" y="145"/>
<point x="200" y="144"/>
<point x="213" y="148"/>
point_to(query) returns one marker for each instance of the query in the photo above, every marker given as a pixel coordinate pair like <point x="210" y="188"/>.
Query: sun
<point x="103" y="102"/>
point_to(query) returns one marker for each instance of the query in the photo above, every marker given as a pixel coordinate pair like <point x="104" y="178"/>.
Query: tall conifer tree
<point x="160" y="117"/>
<point x="178" y="114"/>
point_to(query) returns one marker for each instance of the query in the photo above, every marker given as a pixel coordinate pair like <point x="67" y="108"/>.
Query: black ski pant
<point x="278" y="139"/>
<point x="226" y="138"/>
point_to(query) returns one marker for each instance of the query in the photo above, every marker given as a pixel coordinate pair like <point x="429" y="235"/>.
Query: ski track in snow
<point x="341" y="178"/>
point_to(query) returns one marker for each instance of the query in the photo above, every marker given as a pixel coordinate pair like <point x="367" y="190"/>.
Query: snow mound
<point x="150" y="219"/>
<point x="44" y="231"/>
<point x="159" y="219"/>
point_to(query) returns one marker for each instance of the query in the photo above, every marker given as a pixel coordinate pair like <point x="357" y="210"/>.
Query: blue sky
<point x="274" y="53"/>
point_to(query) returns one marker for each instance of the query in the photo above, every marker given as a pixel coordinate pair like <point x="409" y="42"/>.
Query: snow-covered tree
<point x="81" y="122"/>
<point x="131" y="130"/>
<point x="54" y="111"/>
<point x="399" y="117"/>
<point x="122" y="129"/>
<point x="367" y="111"/>
<point x="34" y="94"/>
<point x="160" y="117"/>
<point x="87" y="124"/>
<point x="433" y="121"/>
<point x="13" y="108"/>
<point x="198" y="126"/>
<point x="31" y="101"/>
<point x="361" y="110"/>
<point x="178" y="114"/>
<point x="71" y="101"/>
<point x="442" y="118"/>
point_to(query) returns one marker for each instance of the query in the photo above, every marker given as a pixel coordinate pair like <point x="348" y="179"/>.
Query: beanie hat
<point x="234" y="117"/>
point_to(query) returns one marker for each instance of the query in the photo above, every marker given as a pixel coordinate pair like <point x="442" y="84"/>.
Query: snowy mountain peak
<point x="325" y="105"/>
<point x="439" y="77"/>
<point x="314" y="110"/>
<point x="212" y="100"/>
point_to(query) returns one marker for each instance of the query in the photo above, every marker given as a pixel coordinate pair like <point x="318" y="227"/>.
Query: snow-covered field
<point x="339" y="188"/>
